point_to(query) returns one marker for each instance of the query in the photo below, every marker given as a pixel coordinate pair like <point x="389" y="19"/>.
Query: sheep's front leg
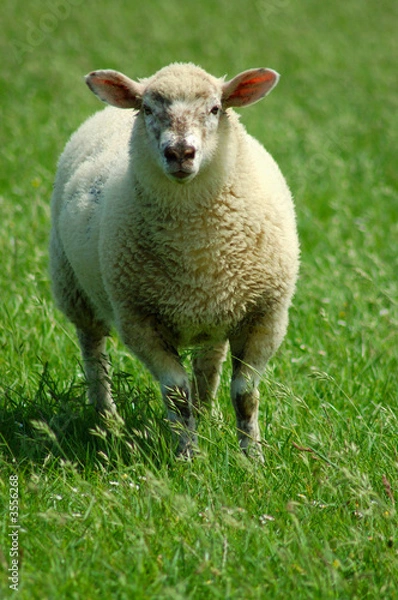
<point x="245" y="400"/>
<point x="149" y="341"/>
<point x="251" y="347"/>
<point x="96" y="367"/>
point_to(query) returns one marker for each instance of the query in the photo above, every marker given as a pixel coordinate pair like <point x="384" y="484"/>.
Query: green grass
<point x="113" y="514"/>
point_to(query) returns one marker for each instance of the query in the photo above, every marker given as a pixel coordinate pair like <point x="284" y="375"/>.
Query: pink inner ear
<point x="252" y="86"/>
<point x="249" y="87"/>
<point x="119" y="92"/>
<point x="115" y="88"/>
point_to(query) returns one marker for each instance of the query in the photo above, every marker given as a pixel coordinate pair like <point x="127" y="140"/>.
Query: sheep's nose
<point x="179" y="153"/>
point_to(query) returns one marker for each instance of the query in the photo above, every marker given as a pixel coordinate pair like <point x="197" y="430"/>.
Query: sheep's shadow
<point x="57" y="423"/>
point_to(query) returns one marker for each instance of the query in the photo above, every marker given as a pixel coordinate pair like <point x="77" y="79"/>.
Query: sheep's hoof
<point x="255" y="453"/>
<point x="106" y="409"/>
<point x="187" y="447"/>
<point x="253" y="450"/>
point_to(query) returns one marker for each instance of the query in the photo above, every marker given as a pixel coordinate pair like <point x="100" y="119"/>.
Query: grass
<point x="112" y="513"/>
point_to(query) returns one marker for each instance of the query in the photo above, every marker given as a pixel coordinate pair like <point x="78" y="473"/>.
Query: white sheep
<point x="173" y="223"/>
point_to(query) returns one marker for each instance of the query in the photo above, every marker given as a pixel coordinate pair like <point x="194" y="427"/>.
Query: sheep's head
<point x="181" y="106"/>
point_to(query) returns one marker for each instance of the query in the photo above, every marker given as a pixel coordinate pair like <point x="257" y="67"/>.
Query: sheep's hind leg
<point x="207" y="366"/>
<point x="96" y="367"/>
<point x="91" y="331"/>
<point x="178" y="402"/>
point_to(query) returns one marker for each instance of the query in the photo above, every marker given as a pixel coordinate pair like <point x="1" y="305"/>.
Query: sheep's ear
<point x="115" y="88"/>
<point x="248" y="87"/>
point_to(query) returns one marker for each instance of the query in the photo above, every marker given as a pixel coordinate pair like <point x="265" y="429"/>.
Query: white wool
<point x="171" y="264"/>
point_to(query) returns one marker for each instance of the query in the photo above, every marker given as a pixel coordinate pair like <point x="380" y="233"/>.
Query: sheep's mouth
<point x="181" y="176"/>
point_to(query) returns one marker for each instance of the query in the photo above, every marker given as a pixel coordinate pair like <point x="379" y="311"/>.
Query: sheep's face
<point x="180" y="108"/>
<point x="182" y="133"/>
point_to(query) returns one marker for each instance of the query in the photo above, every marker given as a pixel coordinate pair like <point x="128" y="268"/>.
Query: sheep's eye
<point x="147" y="110"/>
<point x="215" y="110"/>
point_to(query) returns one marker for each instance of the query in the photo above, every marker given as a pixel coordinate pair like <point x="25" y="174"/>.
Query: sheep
<point x="173" y="224"/>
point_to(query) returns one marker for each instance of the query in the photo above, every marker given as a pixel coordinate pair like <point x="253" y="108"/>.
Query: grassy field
<point x="112" y="514"/>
